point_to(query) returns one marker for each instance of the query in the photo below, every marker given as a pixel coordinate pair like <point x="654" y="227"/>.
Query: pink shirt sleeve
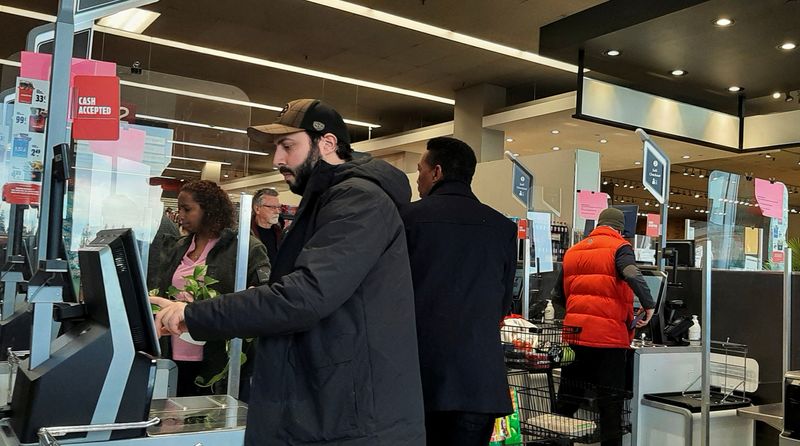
<point x="182" y="350"/>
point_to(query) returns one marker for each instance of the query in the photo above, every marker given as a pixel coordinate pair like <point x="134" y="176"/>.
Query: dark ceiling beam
<point x="600" y="20"/>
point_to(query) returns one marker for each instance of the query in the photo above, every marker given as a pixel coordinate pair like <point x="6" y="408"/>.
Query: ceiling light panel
<point x="442" y="33"/>
<point x="134" y="20"/>
<point x="272" y="64"/>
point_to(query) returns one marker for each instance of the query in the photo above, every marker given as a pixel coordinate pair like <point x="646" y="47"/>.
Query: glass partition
<point x="747" y="222"/>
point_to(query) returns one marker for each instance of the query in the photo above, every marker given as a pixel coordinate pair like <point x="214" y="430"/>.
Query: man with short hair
<point x="597" y="283"/>
<point x="337" y="359"/>
<point x="266" y="220"/>
<point x="463" y="258"/>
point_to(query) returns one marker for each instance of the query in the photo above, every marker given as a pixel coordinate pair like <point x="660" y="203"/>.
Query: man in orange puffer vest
<point x="598" y="281"/>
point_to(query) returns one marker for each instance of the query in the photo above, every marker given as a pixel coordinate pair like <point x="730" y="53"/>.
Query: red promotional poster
<point x="522" y="229"/>
<point x="653" y="225"/>
<point x="96" y="108"/>
<point x="21" y="193"/>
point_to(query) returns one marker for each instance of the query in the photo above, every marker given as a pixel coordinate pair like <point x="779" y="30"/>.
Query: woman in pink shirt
<point x="206" y="214"/>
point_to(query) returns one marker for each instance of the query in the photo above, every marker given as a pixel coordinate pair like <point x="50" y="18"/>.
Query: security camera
<point x="136" y="68"/>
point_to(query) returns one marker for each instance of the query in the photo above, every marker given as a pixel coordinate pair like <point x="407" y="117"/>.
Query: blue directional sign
<point x="522" y="185"/>
<point x="654" y="172"/>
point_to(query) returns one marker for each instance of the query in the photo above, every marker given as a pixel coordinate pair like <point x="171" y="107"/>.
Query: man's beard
<point x="302" y="173"/>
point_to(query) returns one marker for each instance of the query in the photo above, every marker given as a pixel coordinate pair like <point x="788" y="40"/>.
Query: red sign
<point x="25" y="93"/>
<point x="522" y="229"/>
<point x="777" y="257"/>
<point x="653" y="225"/>
<point x="21" y="193"/>
<point x="96" y="108"/>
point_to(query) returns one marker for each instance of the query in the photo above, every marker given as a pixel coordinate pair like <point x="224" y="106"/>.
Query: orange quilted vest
<point x="598" y="300"/>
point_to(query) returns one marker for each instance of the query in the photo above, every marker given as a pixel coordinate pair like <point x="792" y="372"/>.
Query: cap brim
<point x="266" y="133"/>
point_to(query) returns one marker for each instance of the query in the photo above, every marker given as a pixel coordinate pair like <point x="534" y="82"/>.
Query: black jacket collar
<point x="452" y="187"/>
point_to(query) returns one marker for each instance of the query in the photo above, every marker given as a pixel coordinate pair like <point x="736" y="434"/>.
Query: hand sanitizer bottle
<point x="694" y="331"/>
<point x="549" y="311"/>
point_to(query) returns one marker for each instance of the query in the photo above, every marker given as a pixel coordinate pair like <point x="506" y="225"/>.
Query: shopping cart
<point x="557" y="412"/>
<point x="553" y="411"/>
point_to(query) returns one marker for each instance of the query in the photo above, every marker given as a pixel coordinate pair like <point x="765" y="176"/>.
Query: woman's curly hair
<point x="217" y="207"/>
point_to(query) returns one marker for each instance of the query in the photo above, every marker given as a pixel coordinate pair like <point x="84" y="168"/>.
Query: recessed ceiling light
<point x="768" y="156"/>
<point x="788" y="46"/>
<point x="603" y="141"/>
<point x="723" y="21"/>
<point x="556" y="148"/>
<point x="555" y="132"/>
<point x="638" y="163"/>
<point x="735" y="89"/>
<point x="686" y="157"/>
<point x="679" y="72"/>
<point x="134" y="20"/>
<point x="225" y="176"/>
<point x="776" y="95"/>
<point x="509" y="139"/>
<point x="612" y="53"/>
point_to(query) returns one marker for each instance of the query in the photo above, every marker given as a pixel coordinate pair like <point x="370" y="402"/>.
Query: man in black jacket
<point x="463" y="257"/>
<point x="337" y="359"/>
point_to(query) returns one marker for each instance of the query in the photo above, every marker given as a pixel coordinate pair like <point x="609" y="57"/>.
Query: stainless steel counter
<point x="771" y="414"/>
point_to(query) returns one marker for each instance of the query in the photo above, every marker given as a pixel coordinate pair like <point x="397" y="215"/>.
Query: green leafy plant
<point x="197" y="285"/>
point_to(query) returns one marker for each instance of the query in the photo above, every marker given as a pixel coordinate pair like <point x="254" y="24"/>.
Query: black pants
<point x="596" y="373"/>
<point x="458" y="428"/>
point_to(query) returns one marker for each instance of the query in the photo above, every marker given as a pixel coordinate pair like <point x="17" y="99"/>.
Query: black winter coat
<point x="337" y="358"/>
<point x="463" y="258"/>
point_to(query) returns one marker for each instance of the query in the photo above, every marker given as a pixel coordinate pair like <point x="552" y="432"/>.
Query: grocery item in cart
<point x="518" y="329"/>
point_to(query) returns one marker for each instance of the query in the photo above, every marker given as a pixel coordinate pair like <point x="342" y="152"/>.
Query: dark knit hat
<point x="612" y="217"/>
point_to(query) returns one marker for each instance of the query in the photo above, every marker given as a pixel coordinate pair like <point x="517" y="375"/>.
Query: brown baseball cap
<point x="301" y="115"/>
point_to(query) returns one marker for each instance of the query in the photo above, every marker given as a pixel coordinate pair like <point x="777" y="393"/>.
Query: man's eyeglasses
<point x="270" y="206"/>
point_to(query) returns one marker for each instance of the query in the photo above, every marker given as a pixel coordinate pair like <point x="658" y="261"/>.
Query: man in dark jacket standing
<point x="463" y="257"/>
<point x="337" y="359"/>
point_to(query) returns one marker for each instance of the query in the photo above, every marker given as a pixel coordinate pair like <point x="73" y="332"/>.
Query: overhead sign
<point x="654" y="171"/>
<point x="522" y="183"/>
<point x="96" y="108"/>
